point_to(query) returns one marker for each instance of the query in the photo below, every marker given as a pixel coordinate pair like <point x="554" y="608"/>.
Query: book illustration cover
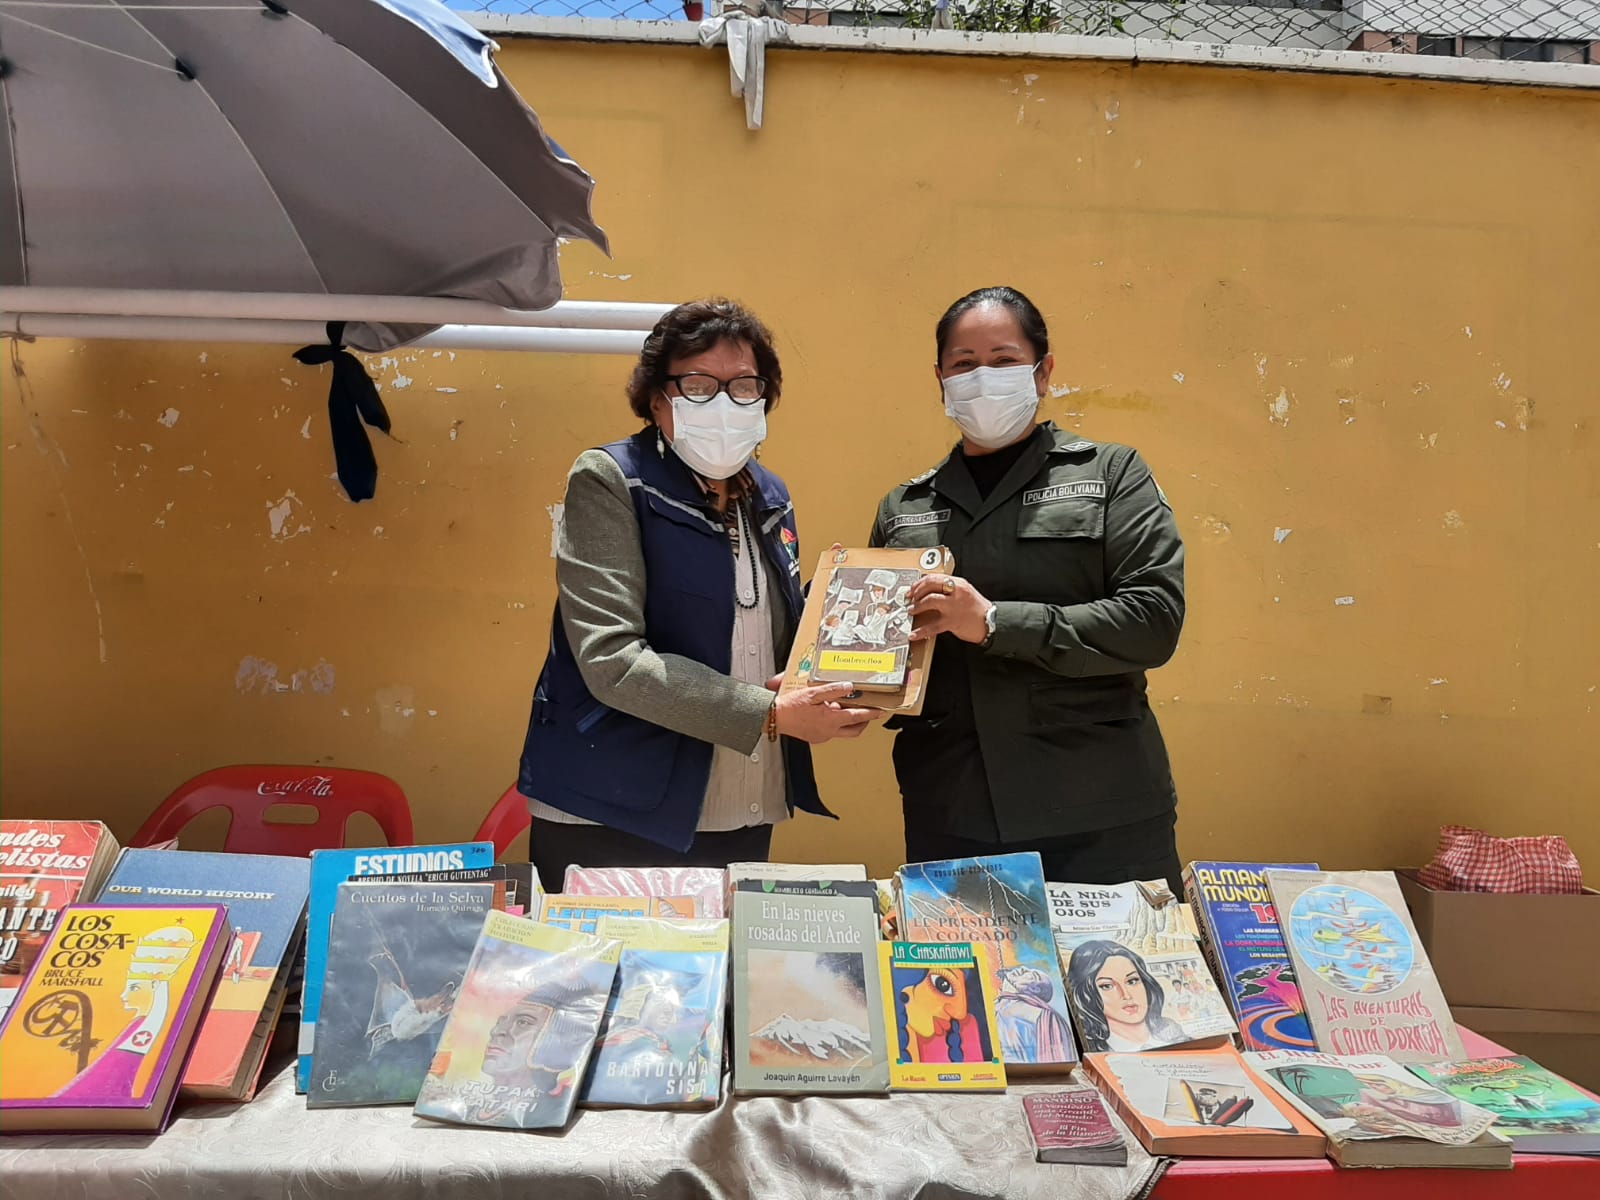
<point x="940" y="1017"/>
<point x="1245" y="946"/>
<point x="808" y="1010"/>
<point x="396" y="957"/>
<point x="1072" y="1125"/>
<point x="520" y="1035"/>
<point x="1206" y="1102"/>
<point x="99" y="1022"/>
<point x="998" y="901"/>
<point x="266" y="901"/>
<point x="329" y="869"/>
<point x="865" y="636"/>
<point x="661" y="1040"/>
<point x="1367" y="982"/>
<point x="1540" y="1111"/>
<point x="44" y="865"/>
<point x="582" y="914"/>
<point x="1200" y="1089"/>
<point x="705" y="885"/>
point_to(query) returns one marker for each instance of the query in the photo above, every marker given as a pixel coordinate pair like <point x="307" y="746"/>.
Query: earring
<point x="661" y="446"/>
<point x="758" y="451"/>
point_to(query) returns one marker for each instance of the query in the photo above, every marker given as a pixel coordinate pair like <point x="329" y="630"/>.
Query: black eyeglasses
<point x="698" y="389"/>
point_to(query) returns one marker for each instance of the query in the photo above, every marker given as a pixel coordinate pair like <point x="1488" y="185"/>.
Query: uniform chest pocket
<point x="1069" y="518"/>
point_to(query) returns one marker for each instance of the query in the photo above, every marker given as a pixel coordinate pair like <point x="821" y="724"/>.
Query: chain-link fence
<point x="1515" y="30"/>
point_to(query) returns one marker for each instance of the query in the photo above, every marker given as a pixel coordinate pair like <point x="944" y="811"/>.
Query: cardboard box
<point x="1568" y="1043"/>
<point x="1497" y="951"/>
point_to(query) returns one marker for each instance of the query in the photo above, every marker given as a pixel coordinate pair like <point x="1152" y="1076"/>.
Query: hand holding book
<point x="948" y="604"/>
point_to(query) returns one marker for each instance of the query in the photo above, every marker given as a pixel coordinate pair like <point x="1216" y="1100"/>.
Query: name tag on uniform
<point x="1094" y="489"/>
<point x="927" y="518"/>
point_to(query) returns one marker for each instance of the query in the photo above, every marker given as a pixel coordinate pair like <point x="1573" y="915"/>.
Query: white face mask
<point x="718" y="437"/>
<point x="994" y="406"/>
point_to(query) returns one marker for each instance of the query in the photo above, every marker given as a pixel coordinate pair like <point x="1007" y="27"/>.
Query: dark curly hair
<point x="692" y="328"/>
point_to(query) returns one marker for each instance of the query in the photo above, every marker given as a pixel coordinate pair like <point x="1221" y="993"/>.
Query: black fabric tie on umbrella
<point x="352" y="399"/>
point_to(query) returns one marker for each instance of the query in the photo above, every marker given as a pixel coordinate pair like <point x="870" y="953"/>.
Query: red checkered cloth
<point x="1469" y="860"/>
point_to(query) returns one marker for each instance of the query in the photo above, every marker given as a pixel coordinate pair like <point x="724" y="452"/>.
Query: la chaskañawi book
<point x="1241" y="939"/>
<point x="705" y="885"/>
<point x="1378" y="1114"/>
<point x="330" y="868"/>
<point x="100" y="1029"/>
<point x="865" y="636"/>
<point x="396" y="956"/>
<point x="523" y="1028"/>
<point x="939" y="1013"/>
<point x="998" y="901"/>
<point x="807" y="1008"/>
<point x="1367" y="982"/>
<point x="582" y="914"/>
<point x="266" y="899"/>
<point x="1538" y="1110"/>
<point x="1136" y="978"/>
<point x="661" y="1041"/>
<point x="44" y="865"/>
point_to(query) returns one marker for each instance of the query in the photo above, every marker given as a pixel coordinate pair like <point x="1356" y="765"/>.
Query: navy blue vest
<point x="594" y="762"/>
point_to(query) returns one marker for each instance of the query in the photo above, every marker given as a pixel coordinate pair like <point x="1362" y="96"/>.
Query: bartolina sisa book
<point x="1539" y="1111"/>
<point x="807" y="1013"/>
<point x="661" y="1041"/>
<point x="1241" y="938"/>
<point x="523" y="1028"/>
<point x="940" y="1017"/>
<point x="1367" y="982"/>
<point x="99" y="1033"/>
<point x="266" y="899"/>
<point x="998" y="901"/>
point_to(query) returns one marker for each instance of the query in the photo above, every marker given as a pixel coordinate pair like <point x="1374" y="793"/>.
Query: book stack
<point x="1073" y="1126"/>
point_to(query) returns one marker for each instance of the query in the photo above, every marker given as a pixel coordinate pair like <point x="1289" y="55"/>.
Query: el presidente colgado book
<point x="807" y="1009"/>
<point x="661" y="1041"/>
<point x="1538" y="1110"/>
<point x="1242" y="941"/>
<point x="44" y="865"/>
<point x="939" y="1014"/>
<point x="266" y="900"/>
<point x="705" y="885"/>
<point x="865" y="636"/>
<point x="1367" y="982"/>
<point x="998" y="901"/>
<point x="396" y="956"/>
<point x="521" y="1034"/>
<point x="582" y="914"/>
<point x="1136" y="979"/>
<point x="100" y="1030"/>
<point x="329" y="869"/>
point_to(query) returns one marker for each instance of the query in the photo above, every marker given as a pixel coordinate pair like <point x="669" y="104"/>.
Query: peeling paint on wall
<point x="1344" y="601"/>
<point x="168" y="418"/>
<point x="1279" y="533"/>
<point x="1278" y="408"/>
<point x="557" y="515"/>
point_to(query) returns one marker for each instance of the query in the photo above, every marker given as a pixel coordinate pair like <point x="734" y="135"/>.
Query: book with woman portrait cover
<point x="939" y="1013"/>
<point x="1136" y="978"/>
<point x="661" y="1040"/>
<point x="101" y="1029"/>
<point x="856" y="627"/>
<point x="522" y="1031"/>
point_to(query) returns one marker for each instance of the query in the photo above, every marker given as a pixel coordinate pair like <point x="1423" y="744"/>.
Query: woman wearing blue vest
<point x="655" y="739"/>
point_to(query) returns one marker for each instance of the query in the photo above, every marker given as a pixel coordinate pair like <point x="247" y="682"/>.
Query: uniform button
<point x="755" y="756"/>
<point x="752" y="649"/>
<point x="755" y="808"/>
<point x="747" y="595"/>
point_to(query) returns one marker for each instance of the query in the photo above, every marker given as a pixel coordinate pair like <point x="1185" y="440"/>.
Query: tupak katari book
<point x="1368" y="985"/>
<point x="396" y="956"/>
<point x="266" y="900"/>
<point x="100" y="1030"/>
<point x="522" y="1031"/>
<point x="1000" y="902"/>
<point x="1242" y="941"/>
<point x="1537" y="1109"/>
<point x="939" y="1014"/>
<point x="705" y="885"/>
<point x="661" y="1040"/>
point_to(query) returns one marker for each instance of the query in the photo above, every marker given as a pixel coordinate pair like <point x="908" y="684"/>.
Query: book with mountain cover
<point x="939" y="1014"/>
<point x="1537" y="1109"/>
<point x="395" y="961"/>
<point x="807" y="1004"/>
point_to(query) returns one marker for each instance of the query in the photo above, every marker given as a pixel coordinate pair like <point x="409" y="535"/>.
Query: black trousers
<point x="1143" y="850"/>
<point x="553" y="846"/>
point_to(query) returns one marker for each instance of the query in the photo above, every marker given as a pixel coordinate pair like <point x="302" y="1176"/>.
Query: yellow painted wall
<point x="1350" y="321"/>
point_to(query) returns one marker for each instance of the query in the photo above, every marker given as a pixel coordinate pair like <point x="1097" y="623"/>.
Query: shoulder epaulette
<point x="923" y="478"/>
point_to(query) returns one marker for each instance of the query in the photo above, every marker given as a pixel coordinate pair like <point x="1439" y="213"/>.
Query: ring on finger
<point x="949" y="587"/>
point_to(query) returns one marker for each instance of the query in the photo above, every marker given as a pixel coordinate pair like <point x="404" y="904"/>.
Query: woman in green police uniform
<point x="1036" y="733"/>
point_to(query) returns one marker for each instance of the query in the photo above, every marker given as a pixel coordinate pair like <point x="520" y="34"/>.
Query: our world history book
<point x="660" y="1042"/>
<point x="396" y="956"/>
<point x="998" y="901"/>
<point x="1368" y="985"/>
<point x="1242" y="941"/>
<point x="101" y="1028"/>
<point x="939" y="1014"/>
<point x="266" y="900"/>
<point x="522" y="1031"/>
<point x="330" y="868"/>
<point x="1537" y="1109"/>
<point x="807" y="1009"/>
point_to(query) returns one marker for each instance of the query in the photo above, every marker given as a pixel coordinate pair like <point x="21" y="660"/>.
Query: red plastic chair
<point x="507" y="821"/>
<point x="249" y="792"/>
